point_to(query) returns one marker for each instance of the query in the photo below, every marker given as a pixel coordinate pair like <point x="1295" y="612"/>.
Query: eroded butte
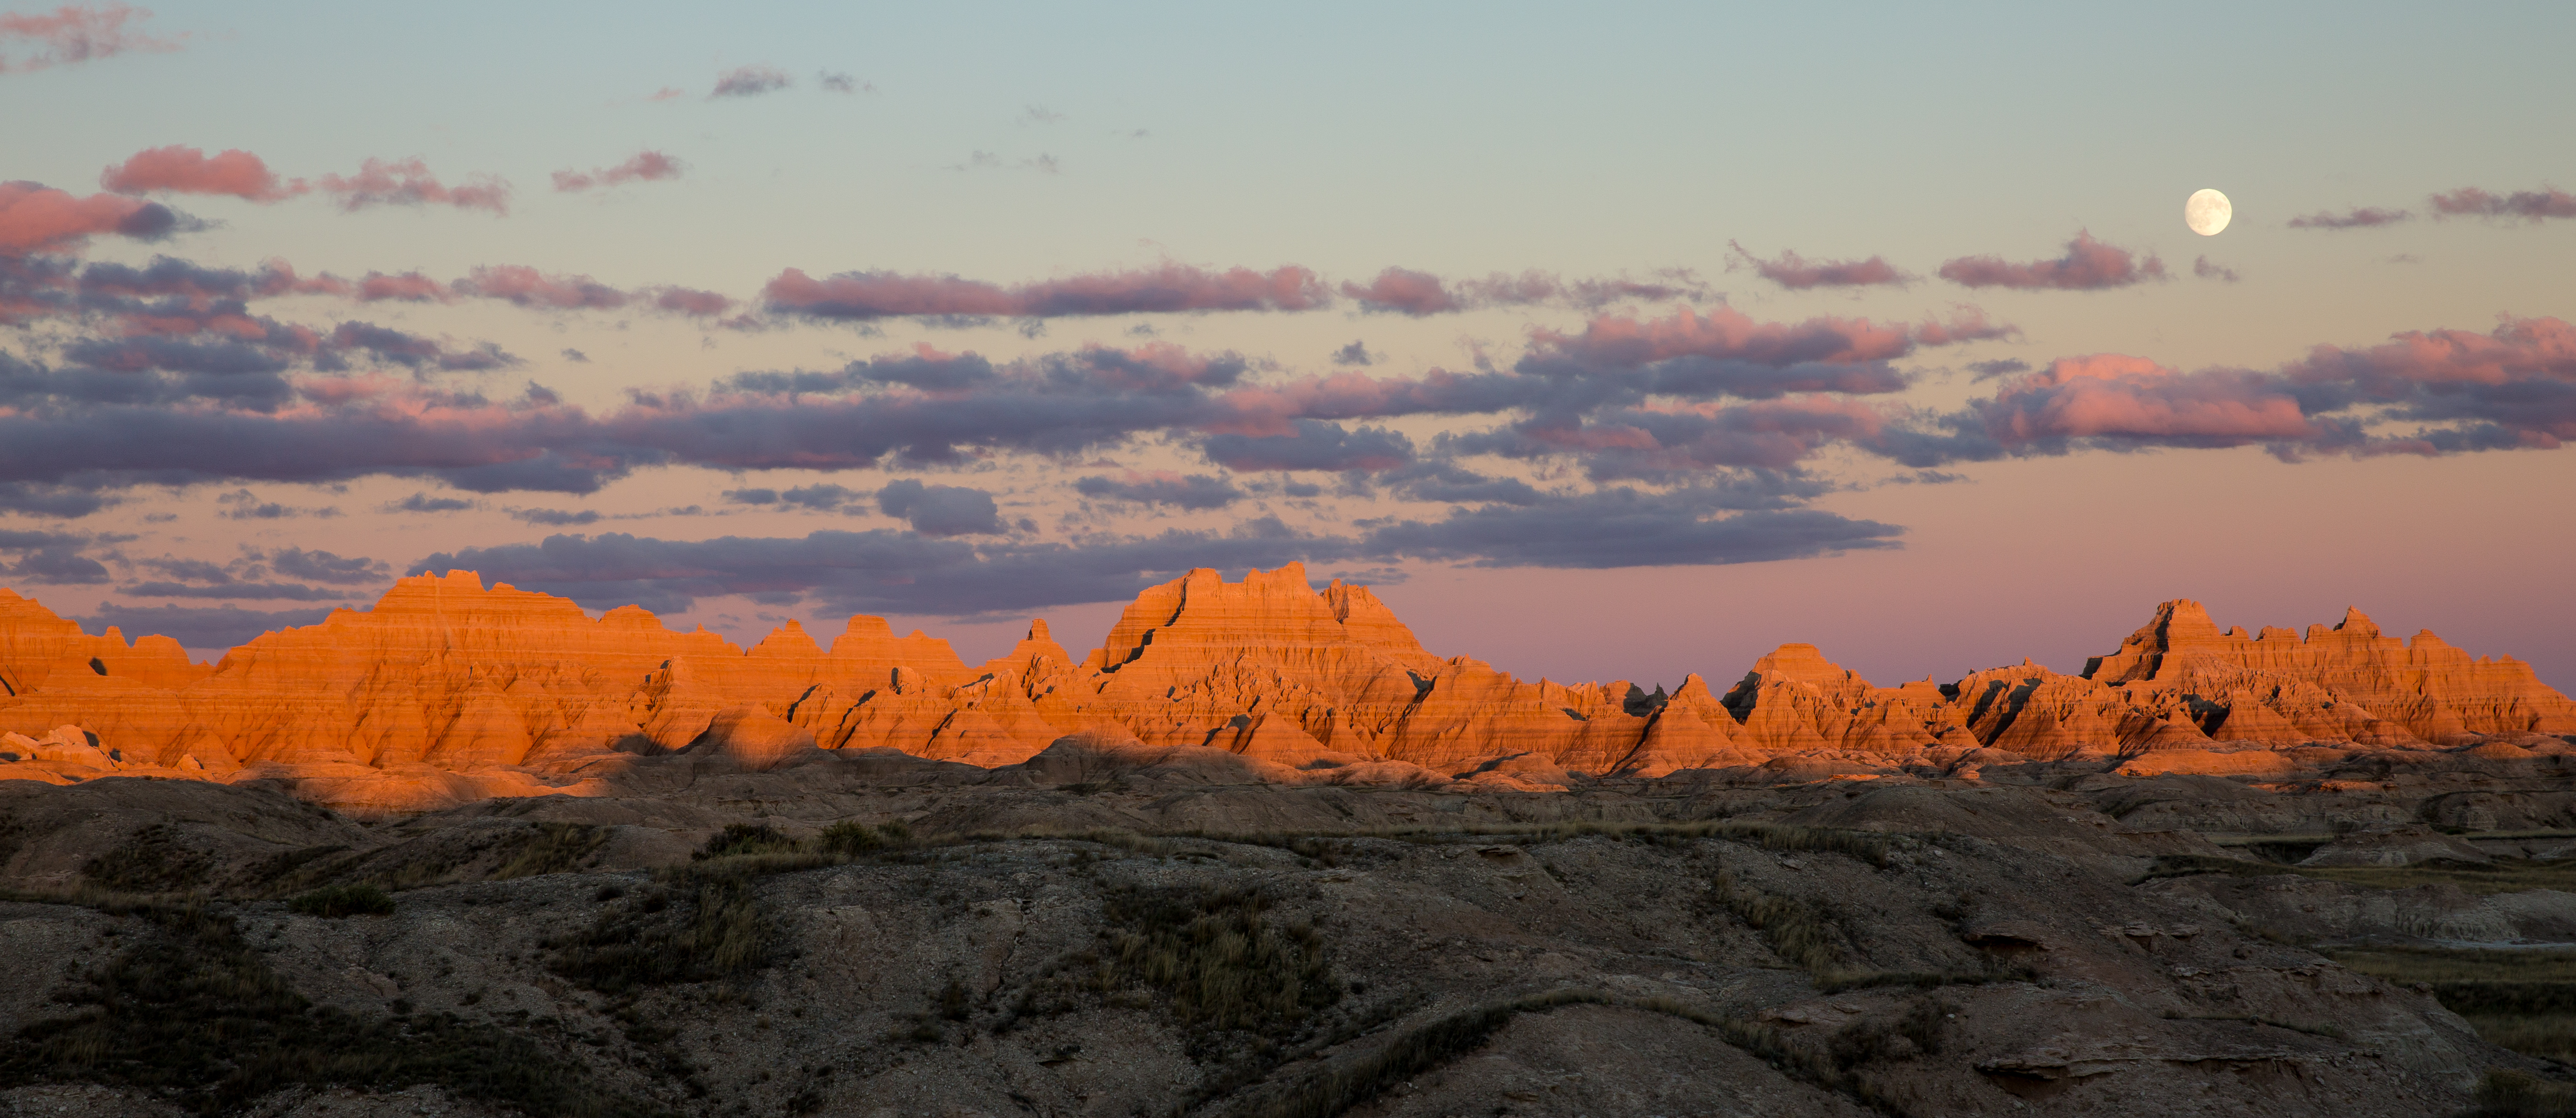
<point x="1259" y="854"/>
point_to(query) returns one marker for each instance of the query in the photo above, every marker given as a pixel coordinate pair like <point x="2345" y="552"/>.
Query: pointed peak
<point x="2356" y="622"/>
<point x="1038" y="630"/>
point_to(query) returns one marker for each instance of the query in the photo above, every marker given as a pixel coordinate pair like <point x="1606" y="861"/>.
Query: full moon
<point x="2207" y="212"/>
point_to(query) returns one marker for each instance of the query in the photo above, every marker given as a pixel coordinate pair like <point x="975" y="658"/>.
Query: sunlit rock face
<point x="449" y="691"/>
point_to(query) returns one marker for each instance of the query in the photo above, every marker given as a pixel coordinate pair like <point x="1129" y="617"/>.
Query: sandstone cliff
<point x="448" y="691"/>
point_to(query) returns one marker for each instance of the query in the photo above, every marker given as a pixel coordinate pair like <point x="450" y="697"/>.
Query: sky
<point x="1612" y="343"/>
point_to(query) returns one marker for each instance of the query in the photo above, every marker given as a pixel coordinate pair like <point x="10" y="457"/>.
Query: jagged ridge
<point x="449" y="691"/>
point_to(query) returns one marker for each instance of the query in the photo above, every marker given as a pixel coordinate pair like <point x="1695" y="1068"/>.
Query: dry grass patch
<point x="693" y="926"/>
<point x="2522" y="1000"/>
<point x="2506" y="875"/>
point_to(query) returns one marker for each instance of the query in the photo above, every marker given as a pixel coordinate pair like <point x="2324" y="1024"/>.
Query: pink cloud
<point x="524" y="286"/>
<point x="39" y="218"/>
<point x="2529" y="205"/>
<point x="2363" y="217"/>
<point x="750" y="81"/>
<point x="2120" y="397"/>
<point x="647" y="166"/>
<point x="1730" y="335"/>
<point x="667" y="93"/>
<point x="1798" y="273"/>
<point x="2517" y="351"/>
<point x="408" y="182"/>
<point x="76" y="33"/>
<point x="527" y="287"/>
<point x="1418" y="294"/>
<point x="2089" y="265"/>
<point x="689" y="301"/>
<point x="178" y="169"/>
<point x="1966" y="324"/>
<point x="861" y="296"/>
<point x="409" y="287"/>
<point x="1404" y="291"/>
<point x="2204" y="269"/>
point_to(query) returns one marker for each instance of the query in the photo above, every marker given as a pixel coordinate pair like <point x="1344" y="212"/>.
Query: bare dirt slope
<point x="893" y="942"/>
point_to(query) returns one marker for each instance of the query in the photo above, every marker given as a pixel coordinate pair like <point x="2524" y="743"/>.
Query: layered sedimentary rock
<point x="448" y="689"/>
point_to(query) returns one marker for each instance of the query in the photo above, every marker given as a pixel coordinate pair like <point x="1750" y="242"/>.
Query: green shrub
<point x="851" y="837"/>
<point x="744" y="839"/>
<point x="332" y="902"/>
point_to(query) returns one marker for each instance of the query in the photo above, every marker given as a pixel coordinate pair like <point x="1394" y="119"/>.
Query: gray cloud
<point x="941" y="510"/>
<point x="263" y="591"/>
<point x="1316" y="445"/>
<point x="1196" y="491"/>
<point x="885" y="571"/>
<point x="554" y="518"/>
<point x="820" y="497"/>
<point x="209" y="627"/>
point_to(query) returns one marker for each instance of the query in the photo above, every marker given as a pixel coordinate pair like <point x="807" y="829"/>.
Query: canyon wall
<point x="448" y="691"/>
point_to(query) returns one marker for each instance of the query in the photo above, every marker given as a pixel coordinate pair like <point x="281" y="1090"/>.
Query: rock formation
<point x="448" y="690"/>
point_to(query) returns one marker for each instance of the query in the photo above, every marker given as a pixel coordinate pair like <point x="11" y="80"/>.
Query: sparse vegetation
<point x="552" y="848"/>
<point x="851" y="837"/>
<point x="2504" y="876"/>
<point x="332" y="902"/>
<point x="2522" y="1000"/>
<point x="1799" y="933"/>
<point x="193" y="1015"/>
<point x="1213" y="956"/>
<point x="740" y="840"/>
<point x="2518" y="1094"/>
<point x="698" y="926"/>
<point x="152" y="860"/>
<point x="1337" y="1091"/>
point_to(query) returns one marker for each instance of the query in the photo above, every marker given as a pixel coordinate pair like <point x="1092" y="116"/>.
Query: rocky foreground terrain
<point x="1259" y="855"/>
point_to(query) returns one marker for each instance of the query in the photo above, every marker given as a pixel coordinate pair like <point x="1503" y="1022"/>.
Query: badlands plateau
<point x="1259" y="853"/>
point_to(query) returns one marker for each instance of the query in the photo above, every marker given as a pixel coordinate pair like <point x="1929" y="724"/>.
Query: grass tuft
<point x="703" y="926"/>
<point x="1215" y="957"/>
<point x="155" y="859"/>
<point x="2522" y="1000"/>
<point x="552" y="848"/>
<point x="332" y="902"/>
<point x="2516" y="1094"/>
